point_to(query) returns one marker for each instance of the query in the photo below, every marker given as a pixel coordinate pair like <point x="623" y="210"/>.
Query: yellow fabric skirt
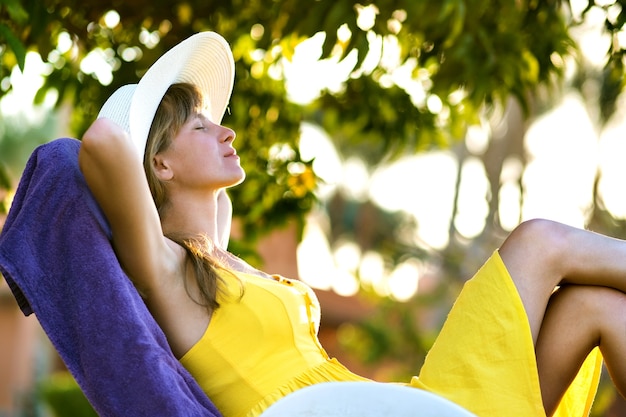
<point x="484" y="358"/>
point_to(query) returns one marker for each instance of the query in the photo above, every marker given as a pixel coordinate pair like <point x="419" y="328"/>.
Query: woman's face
<point x="201" y="155"/>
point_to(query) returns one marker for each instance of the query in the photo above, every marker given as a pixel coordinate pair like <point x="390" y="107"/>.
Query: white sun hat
<point x="204" y="59"/>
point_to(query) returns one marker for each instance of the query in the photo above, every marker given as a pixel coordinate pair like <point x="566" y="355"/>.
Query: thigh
<point x="579" y="318"/>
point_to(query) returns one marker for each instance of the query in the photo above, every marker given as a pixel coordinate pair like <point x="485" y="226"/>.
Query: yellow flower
<point x="303" y="183"/>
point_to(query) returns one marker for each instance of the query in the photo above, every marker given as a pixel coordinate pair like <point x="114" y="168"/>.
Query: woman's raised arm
<point x="114" y="173"/>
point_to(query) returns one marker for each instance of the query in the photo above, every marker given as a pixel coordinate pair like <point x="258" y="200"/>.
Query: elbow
<point x="92" y="144"/>
<point x="102" y="140"/>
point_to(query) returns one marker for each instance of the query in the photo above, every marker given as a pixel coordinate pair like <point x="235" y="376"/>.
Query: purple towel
<point x="56" y="256"/>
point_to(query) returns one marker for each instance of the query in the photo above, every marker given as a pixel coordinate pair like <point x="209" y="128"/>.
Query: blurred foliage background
<point x="466" y="64"/>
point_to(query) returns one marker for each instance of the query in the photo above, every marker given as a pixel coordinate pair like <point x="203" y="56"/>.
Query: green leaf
<point x="5" y="181"/>
<point x="15" y="10"/>
<point x="18" y="48"/>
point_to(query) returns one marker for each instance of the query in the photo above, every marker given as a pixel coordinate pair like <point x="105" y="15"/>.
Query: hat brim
<point x="204" y="60"/>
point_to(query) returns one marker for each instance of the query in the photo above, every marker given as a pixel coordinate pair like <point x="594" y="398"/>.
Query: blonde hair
<point x="179" y="103"/>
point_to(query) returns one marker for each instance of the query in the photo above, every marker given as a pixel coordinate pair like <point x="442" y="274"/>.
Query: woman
<point x="250" y="338"/>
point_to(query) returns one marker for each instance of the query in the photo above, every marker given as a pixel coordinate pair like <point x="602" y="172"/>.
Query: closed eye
<point x="200" y="122"/>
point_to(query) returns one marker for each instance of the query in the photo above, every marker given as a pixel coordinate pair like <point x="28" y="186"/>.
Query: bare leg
<point x="579" y="318"/>
<point x="541" y="254"/>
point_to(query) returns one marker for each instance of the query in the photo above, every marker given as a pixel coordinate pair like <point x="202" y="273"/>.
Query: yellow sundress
<point x="263" y="346"/>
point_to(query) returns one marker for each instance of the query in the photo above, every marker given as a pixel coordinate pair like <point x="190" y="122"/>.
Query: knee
<point x="542" y="237"/>
<point x="600" y="305"/>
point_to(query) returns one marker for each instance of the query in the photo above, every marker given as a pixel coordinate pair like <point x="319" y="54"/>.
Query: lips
<point x="231" y="152"/>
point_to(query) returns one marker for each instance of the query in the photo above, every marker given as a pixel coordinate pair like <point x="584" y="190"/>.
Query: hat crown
<point x="117" y="106"/>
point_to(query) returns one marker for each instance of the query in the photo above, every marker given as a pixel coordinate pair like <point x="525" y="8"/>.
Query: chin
<point x="241" y="178"/>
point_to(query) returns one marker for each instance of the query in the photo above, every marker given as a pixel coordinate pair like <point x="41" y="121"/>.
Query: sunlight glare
<point x="347" y="256"/>
<point x="316" y="145"/>
<point x="314" y="258"/>
<point x="563" y="158"/>
<point x="434" y="104"/>
<point x="366" y="16"/>
<point x="416" y="88"/>
<point x="64" y="42"/>
<point x="345" y="283"/>
<point x="97" y="63"/>
<point x="403" y="281"/>
<point x="111" y="19"/>
<point x="24" y="88"/>
<point x="372" y="269"/>
<point x="149" y="39"/>
<point x="561" y="145"/>
<point x="510" y="193"/>
<point x="611" y="186"/>
<point x="306" y="76"/>
<point x="356" y="179"/>
<point x="257" y="31"/>
<point x="472" y="199"/>
<point x="477" y="139"/>
<point x="423" y="186"/>
<point x="591" y="38"/>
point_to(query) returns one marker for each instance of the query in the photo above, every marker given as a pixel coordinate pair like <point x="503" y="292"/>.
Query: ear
<point x="162" y="168"/>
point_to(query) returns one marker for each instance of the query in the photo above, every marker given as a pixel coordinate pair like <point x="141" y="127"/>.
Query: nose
<point x="229" y="134"/>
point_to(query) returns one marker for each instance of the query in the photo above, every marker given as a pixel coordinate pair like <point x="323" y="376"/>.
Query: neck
<point x="191" y="215"/>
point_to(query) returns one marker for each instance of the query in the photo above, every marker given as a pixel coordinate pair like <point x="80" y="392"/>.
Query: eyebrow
<point x="201" y="116"/>
<point x="196" y="116"/>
